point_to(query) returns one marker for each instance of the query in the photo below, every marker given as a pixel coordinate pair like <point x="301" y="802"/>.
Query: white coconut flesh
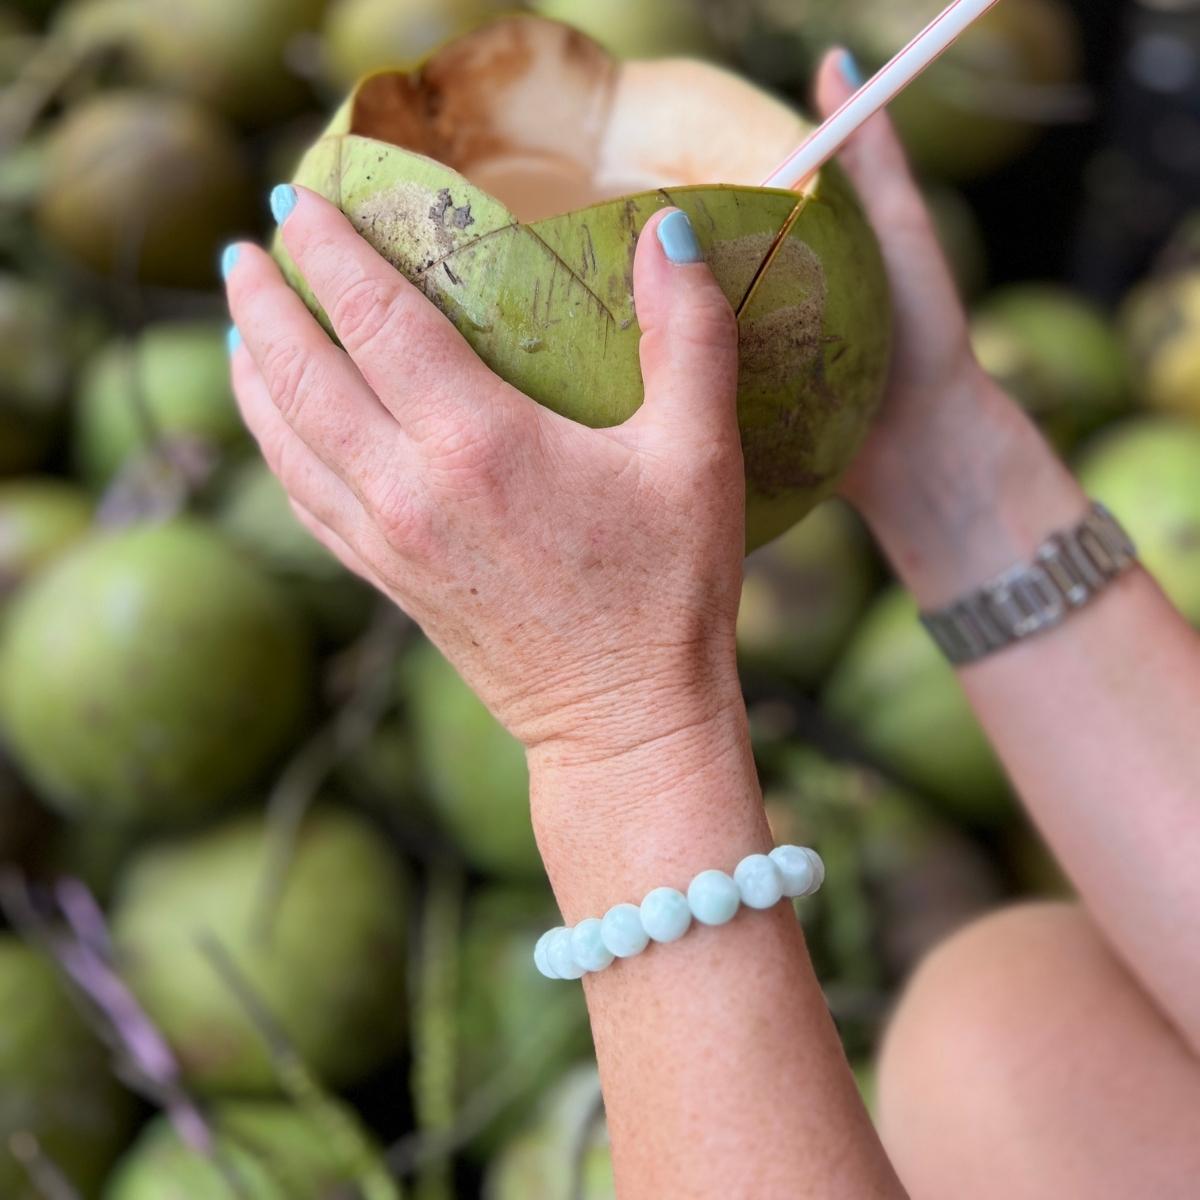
<point x="546" y="121"/>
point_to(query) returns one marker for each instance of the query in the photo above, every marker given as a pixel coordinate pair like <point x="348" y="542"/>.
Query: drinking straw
<point x="883" y="87"/>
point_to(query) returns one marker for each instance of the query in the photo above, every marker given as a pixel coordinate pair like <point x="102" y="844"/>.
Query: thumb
<point x="689" y="343"/>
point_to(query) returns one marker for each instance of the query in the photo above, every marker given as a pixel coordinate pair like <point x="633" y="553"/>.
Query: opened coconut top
<point x="547" y="121"/>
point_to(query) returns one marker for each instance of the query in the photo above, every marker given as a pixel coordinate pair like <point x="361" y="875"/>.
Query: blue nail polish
<point x="229" y="257"/>
<point x="283" y="200"/>
<point x="850" y="70"/>
<point x="233" y="339"/>
<point x="678" y="239"/>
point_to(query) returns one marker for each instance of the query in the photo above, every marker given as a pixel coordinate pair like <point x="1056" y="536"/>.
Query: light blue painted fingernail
<point x="283" y="201"/>
<point x="233" y="339"/>
<point x="229" y="257"/>
<point x="678" y="239"/>
<point x="851" y="71"/>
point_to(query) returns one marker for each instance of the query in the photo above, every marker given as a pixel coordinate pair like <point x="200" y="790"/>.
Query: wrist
<point x="611" y="827"/>
<point x="974" y="491"/>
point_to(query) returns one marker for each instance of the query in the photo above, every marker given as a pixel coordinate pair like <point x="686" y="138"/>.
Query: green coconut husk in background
<point x="34" y="372"/>
<point x="39" y="518"/>
<point x="898" y="696"/>
<point x="150" y="674"/>
<point x="803" y="593"/>
<point x="168" y="389"/>
<point x="144" y="186"/>
<point x="262" y="1150"/>
<point x="474" y="769"/>
<point x="57" y="1084"/>
<point x="234" y="56"/>
<point x="522" y="231"/>
<point x="635" y="29"/>
<point x="1057" y="353"/>
<point x="254" y="510"/>
<point x="1161" y="325"/>
<point x="361" y="36"/>
<point x="325" y="957"/>
<point x="564" y="1154"/>
<point x="1147" y="471"/>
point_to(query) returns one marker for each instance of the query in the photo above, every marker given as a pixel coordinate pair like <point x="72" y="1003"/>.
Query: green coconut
<point x="262" y="1150"/>
<point x="564" y="1154"/>
<point x="900" y="877"/>
<point x="1147" y="471"/>
<point x="635" y="29"/>
<point x="515" y="1029"/>
<point x="150" y="674"/>
<point x="986" y="100"/>
<point x="326" y="957"/>
<point x="169" y="387"/>
<point x="146" y="185"/>
<point x="361" y="36"/>
<point x="255" y="512"/>
<point x="522" y="230"/>
<point x="899" y="697"/>
<point x="474" y="769"/>
<point x="55" y="1080"/>
<point x="39" y="519"/>
<point x="1161" y="325"/>
<point x="1057" y="353"/>
<point x="803" y="594"/>
<point x="230" y="55"/>
<point x="34" y="372"/>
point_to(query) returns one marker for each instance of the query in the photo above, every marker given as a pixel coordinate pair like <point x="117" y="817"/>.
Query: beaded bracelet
<point x="666" y="914"/>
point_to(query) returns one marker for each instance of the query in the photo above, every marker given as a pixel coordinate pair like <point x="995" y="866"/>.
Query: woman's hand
<point x="946" y="477"/>
<point x="585" y="582"/>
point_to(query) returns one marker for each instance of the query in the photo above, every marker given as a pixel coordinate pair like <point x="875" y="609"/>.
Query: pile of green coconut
<point x="268" y="886"/>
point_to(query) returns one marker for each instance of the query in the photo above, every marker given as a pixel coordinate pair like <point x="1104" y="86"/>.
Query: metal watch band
<point x="1068" y="569"/>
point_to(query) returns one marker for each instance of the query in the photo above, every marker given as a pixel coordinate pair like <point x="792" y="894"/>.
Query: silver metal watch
<point x="1068" y="569"/>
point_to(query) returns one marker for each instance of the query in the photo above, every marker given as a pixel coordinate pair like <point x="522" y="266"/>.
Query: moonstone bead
<point x="713" y="898"/>
<point x="540" y="959"/>
<point x="665" y="914"/>
<point x="797" y="870"/>
<point x="588" y="946"/>
<point x="559" y="957"/>
<point x="818" y="866"/>
<point x="758" y="880"/>
<point x="623" y="932"/>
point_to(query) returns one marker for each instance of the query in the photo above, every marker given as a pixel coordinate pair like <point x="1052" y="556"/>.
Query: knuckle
<point x="291" y="375"/>
<point x="465" y="457"/>
<point x="406" y="523"/>
<point x="364" y="310"/>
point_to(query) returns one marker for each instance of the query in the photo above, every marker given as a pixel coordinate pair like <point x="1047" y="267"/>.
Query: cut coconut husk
<point x="509" y="178"/>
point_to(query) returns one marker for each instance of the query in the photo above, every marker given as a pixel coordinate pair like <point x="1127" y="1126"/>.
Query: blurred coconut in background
<point x="309" y="843"/>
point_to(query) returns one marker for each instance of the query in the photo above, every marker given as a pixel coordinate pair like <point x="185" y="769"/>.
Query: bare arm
<point x="1097" y="722"/>
<point x="586" y="583"/>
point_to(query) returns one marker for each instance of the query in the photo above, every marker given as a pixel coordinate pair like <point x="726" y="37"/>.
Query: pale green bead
<point x="623" y="932"/>
<point x="665" y="914"/>
<point x="758" y="880"/>
<point x="818" y="866"/>
<point x="559" y="957"/>
<point x="588" y="947"/>
<point x="539" y="955"/>
<point x="713" y="898"/>
<point x="797" y="870"/>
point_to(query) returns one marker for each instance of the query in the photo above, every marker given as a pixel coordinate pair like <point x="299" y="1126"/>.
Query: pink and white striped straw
<point x="880" y="90"/>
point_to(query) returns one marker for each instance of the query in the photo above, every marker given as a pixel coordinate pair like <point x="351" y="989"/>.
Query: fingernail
<point x="229" y="257"/>
<point x="233" y="339"/>
<point x="283" y="200"/>
<point x="678" y="239"/>
<point x="851" y="71"/>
